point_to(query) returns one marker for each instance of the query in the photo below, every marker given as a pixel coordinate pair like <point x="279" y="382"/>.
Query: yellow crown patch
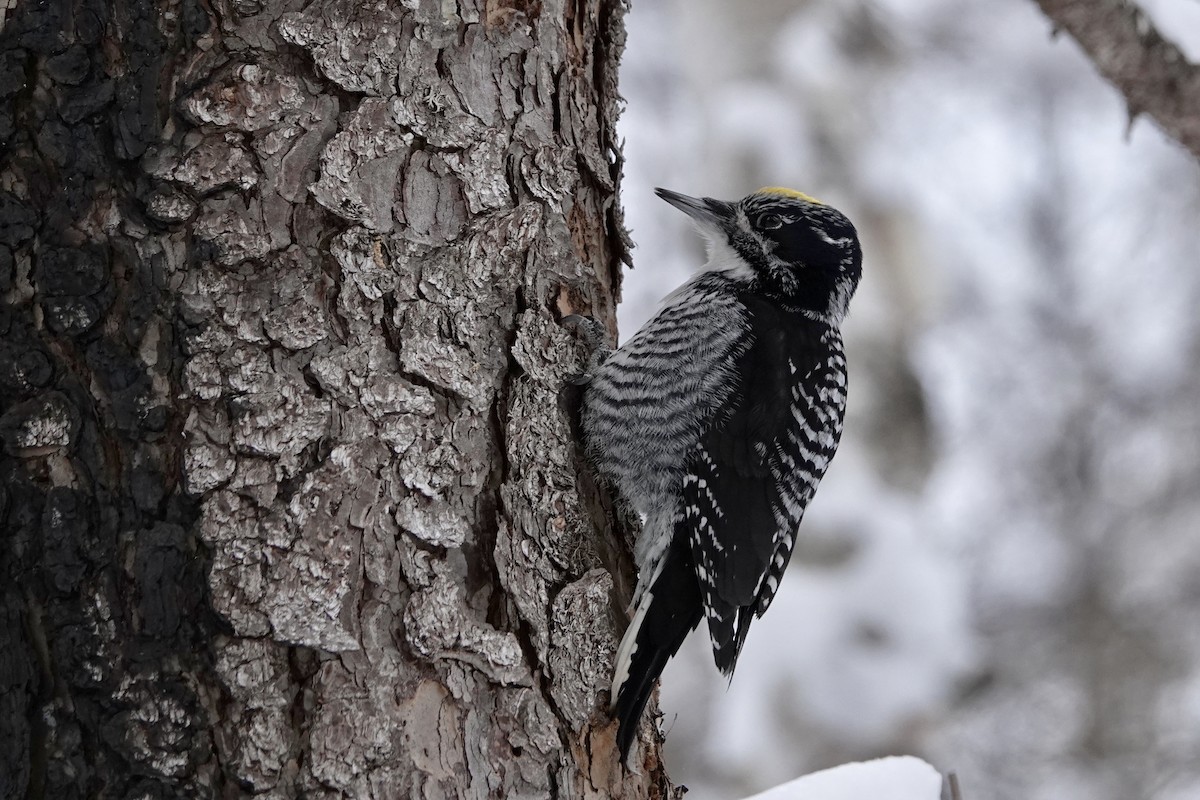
<point x="784" y="192"/>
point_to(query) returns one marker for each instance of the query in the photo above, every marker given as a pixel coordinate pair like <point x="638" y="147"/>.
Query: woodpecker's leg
<point x="595" y="337"/>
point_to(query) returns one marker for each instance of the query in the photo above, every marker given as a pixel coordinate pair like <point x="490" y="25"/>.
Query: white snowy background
<point x="1001" y="571"/>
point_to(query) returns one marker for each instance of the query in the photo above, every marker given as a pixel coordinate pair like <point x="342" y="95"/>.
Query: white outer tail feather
<point x="628" y="646"/>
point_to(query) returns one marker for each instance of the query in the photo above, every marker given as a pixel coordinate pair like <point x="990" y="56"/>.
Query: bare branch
<point x="1150" y="71"/>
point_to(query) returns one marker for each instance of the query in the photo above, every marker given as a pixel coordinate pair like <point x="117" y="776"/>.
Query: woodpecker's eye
<point x="769" y="222"/>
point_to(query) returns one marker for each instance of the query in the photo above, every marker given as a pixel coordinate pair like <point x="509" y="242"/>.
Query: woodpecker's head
<point x="784" y="243"/>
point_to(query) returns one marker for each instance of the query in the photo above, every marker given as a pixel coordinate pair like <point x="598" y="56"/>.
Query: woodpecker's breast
<point x="646" y="406"/>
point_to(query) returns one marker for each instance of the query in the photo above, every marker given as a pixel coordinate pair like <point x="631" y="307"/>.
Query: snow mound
<point x="893" y="778"/>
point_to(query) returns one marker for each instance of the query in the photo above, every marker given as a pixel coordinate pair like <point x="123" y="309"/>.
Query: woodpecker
<point x="717" y="420"/>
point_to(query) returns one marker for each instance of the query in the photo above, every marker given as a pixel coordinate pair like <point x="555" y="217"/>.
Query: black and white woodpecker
<point x="717" y="420"/>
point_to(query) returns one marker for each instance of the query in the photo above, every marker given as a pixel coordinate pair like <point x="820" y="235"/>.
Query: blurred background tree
<point x="1001" y="572"/>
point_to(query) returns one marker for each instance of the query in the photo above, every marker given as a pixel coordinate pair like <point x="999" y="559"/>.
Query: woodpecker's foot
<point x="592" y="331"/>
<point x="595" y="337"/>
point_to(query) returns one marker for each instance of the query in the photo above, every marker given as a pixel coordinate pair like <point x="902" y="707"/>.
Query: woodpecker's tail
<point x="667" y="611"/>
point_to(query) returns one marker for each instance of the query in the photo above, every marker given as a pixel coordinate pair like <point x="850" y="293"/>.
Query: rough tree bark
<point x="289" y="501"/>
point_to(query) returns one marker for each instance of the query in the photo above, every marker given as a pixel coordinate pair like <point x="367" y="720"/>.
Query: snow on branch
<point x="1127" y="49"/>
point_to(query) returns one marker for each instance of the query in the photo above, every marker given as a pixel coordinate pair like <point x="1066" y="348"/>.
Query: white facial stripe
<point x="829" y="239"/>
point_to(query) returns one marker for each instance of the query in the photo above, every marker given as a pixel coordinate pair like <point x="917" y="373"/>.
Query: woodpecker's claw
<point x="595" y="337"/>
<point x="592" y="331"/>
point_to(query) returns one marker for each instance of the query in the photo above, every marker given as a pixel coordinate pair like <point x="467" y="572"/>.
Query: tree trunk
<point x="290" y="500"/>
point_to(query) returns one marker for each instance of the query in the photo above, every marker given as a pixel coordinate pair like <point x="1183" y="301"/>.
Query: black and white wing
<point x="753" y="475"/>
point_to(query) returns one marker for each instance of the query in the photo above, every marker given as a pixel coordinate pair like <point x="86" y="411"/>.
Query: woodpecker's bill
<point x="717" y="421"/>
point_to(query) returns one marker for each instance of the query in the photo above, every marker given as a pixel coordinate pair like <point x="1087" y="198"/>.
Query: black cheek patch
<point x="749" y="251"/>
